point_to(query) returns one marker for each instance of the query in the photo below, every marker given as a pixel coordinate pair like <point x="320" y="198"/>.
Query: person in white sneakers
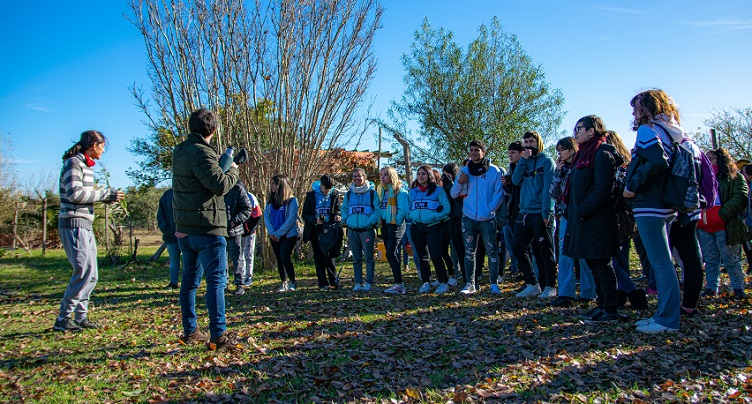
<point x="535" y="222"/>
<point x="482" y="181"/>
<point x="429" y="214"/>
<point x="360" y="213"/>
<point x="394" y="208"/>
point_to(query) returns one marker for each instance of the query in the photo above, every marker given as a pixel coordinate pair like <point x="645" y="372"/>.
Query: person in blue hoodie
<point x="429" y="214"/>
<point x="360" y="213"/>
<point x="281" y="221"/>
<point x="322" y="205"/>
<point x="533" y="175"/>
<point x="479" y="184"/>
<point x="394" y="207"/>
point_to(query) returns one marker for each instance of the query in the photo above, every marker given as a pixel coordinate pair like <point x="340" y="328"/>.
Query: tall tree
<point x="286" y="77"/>
<point x="490" y="90"/>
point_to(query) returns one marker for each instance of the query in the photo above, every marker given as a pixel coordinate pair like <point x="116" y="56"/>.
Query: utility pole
<point x="378" y="161"/>
<point x="713" y="138"/>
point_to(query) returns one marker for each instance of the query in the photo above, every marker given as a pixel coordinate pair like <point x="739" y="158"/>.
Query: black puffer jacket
<point x="238" y="209"/>
<point x="199" y="185"/>
<point x="591" y="218"/>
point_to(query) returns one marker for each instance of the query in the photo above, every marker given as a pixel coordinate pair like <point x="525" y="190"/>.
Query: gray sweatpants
<point x="81" y="249"/>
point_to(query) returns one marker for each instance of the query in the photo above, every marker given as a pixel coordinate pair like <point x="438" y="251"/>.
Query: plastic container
<point x="380" y="251"/>
<point x="225" y="161"/>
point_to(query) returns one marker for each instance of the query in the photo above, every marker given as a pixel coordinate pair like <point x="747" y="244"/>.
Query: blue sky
<point x="70" y="64"/>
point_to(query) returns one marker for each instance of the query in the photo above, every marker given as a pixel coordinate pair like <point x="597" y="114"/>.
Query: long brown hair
<point x="726" y="163"/>
<point x="615" y="140"/>
<point x="431" y="178"/>
<point x="284" y="191"/>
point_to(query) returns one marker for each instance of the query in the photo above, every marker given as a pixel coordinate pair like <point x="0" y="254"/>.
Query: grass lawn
<point x="342" y="346"/>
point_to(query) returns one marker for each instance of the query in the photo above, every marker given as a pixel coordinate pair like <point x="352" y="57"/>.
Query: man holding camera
<point x="199" y="184"/>
<point x="533" y="174"/>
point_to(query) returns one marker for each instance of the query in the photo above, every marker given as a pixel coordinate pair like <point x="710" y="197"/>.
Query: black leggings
<point x="392" y="235"/>
<point x="283" y="252"/>
<point x="432" y="240"/>
<point x="684" y="239"/>
<point x="528" y="228"/>
<point x="605" y="284"/>
<point x="325" y="269"/>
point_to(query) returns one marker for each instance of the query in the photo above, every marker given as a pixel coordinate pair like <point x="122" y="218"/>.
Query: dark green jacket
<point x="199" y="184"/>
<point x="733" y="192"/>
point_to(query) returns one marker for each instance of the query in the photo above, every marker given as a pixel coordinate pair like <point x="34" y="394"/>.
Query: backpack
<point x="708" y="182"/>
<point x="331" y="236"/>
<point x="682" y="190"/>
<point x="372" y="192"/>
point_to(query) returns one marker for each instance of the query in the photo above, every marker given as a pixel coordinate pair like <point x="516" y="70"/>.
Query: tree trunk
<point x="44" y="225"/>
<point x="406" y="152"/>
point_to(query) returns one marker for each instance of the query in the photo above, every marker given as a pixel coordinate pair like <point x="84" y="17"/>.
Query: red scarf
<point x="89" y="161"/>
<point x="584" y="158"/>
<point x="422" y="188"/>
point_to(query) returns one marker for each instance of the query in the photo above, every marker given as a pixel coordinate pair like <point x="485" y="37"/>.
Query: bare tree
<point x="287" y="78"/>
<point x="734" y="130"/>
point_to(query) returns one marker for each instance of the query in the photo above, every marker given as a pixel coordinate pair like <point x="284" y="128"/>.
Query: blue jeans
<point x="361" y="243"/>
<point x="654" y="234"/>
<point x="207" y="254"/>
<point x="567" y="281"/>
<point x="173" y="249"/>
<point x="507" y="230"/>
<point x="715" y="252"/>
<point x="487" y="231"/>
<point x="621" y="269"/>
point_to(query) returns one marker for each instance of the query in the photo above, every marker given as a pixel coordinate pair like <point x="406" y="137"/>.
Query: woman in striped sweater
<point x="77" y="198"/>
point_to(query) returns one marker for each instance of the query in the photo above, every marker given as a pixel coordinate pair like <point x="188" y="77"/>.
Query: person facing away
<point x="360" y="213"/>
<point x="238" y="207"/>
<point x="166" y="224"/>
<point x="322" y="205"/>
<point x="484" y="195"/>
<point x="199" y="185"/>
<point x="77" y="197"/>
<point x="533" y="174"/>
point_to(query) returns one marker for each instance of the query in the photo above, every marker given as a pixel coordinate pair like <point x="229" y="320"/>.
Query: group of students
<point x="480" y="207"/>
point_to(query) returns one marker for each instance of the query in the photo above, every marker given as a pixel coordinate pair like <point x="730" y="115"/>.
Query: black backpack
<point x="682" y="190"/>
<point x="331" y="236"/>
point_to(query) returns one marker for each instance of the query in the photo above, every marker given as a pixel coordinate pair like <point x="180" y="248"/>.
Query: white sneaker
<point x="644" y="322"/>
<point x="443" y="288"/>
<point x="425" y="288"/>
<point x="548" y="293"/>
<point x="435" y="283"/>
<point x="357" y="288"/>
<point x="530" y="291"/>
<point x="282" y="288"/>
<point x="469" y="289"/>
<point x="396" y="289"/>
<point x="655" y="328"/>
<point x="292" y="287"/>
<point x="452" y="281"/>
<point x="495" y="289"/>
<point x="366" y="287"/>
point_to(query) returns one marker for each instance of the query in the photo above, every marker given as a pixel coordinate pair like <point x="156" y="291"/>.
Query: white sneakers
<point x="530" y="291"/>
<point x="469" y="289"/>
<point x="547" y="293"/>
<point x="452" y="281"/>
<point x="495" y="289"/>
<point x="649" y="326"/>
<point x="396" y="289"/>
<point x="283" y="288"/>
<point x="425" y="288"/>
<point x="443" y="288"/>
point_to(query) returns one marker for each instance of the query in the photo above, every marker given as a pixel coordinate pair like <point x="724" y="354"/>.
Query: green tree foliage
<point x="491" y="90"/>
<point x="143" y="203"/>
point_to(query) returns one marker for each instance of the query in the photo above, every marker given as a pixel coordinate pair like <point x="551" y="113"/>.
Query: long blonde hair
<point x="391" y="172"/>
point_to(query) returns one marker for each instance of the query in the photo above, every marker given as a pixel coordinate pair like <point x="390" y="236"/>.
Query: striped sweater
<point x="78" y="194"/>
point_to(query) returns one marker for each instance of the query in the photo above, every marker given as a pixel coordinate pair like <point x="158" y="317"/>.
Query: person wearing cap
<point x="484" y="195"/>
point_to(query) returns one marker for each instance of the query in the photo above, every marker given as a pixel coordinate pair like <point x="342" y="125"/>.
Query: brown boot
<point x="193" y="338"/>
